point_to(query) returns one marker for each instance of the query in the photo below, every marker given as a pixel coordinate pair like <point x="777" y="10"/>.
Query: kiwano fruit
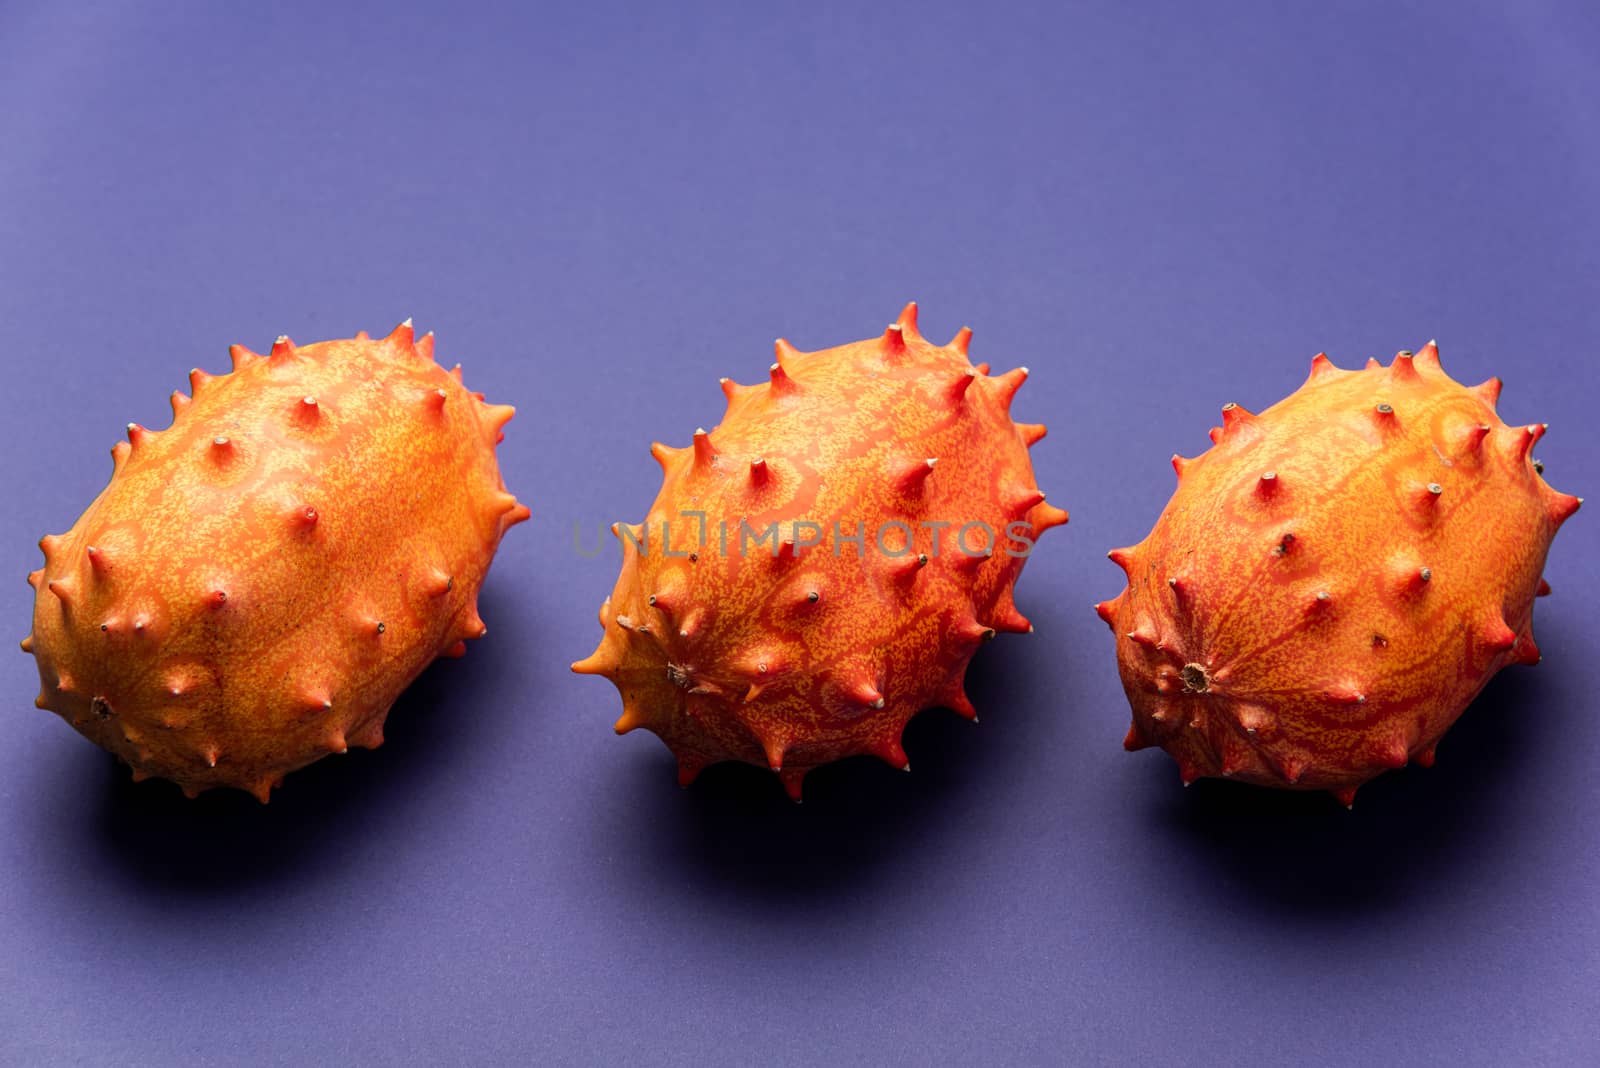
<point x="259" y="582"/>
<point x="1335" y="579"/>
<point x="822" y="565"/>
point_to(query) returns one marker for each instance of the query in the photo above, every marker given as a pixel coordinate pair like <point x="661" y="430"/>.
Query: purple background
<point x="600" y="211"/>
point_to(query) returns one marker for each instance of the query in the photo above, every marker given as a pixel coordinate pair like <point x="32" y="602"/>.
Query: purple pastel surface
<point x="602" y="208"/>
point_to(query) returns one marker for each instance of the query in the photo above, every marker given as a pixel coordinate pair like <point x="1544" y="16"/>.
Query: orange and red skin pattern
<point x="820" y="652"/>
<point x="213" y="617"/>
<point x="1341" y="575"/>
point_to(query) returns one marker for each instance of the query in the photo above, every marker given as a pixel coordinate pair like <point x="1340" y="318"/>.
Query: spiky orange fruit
<point x="822" y="565"/>
<point x="1336" y="579"/>
<point x="258" y="583"/>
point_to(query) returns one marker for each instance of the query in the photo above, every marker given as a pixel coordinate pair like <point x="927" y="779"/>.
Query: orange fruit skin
<point x="1336" y="579"/>
<point x="257" y="584"/>
<point x="795" y="658"/>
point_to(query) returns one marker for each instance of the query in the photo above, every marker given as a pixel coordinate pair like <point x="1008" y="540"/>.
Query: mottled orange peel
<point x="1336" y="579"/>
<point x="257" y="584"/>
<point x="823" y="564"/>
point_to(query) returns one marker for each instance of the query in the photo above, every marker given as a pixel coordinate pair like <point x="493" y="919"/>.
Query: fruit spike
<point x="258" y="583"/>
<point x="885" y="482"/>
<point x="1407" y="527"/>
